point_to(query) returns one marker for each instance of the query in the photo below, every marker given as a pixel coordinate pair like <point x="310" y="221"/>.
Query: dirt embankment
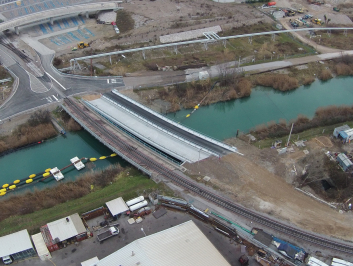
<point x="253" y="180"/>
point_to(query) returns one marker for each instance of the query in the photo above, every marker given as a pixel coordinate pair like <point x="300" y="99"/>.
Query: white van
<point x="6" y="260"/>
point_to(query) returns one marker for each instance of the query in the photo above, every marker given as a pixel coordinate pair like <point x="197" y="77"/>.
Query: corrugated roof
<point x="64" y="229"/>
<point x="181" y="245"/>
<point x="344" y="159"/>
<point x="14" y="243"/>
<point x="40" y="244"/>
<point x="342" y="128"/>
<point x="117" y="206"/>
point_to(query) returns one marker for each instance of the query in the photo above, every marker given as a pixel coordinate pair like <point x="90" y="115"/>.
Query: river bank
<point x="234" y="85"/>
<point x="128" y="183"/>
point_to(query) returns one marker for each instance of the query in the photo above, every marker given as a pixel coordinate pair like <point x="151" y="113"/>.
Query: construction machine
<point x="82" y="45"/>
<point x="316" y="21"/>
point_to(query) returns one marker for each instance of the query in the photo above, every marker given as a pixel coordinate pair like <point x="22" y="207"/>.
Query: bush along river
<point x="222" y="120"/>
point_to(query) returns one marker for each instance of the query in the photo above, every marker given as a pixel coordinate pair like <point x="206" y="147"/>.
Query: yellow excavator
<point x="316" y="21"/>
<point x="82" y="45"/>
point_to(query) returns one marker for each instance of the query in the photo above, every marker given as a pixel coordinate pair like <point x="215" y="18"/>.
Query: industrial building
<point x="180" y="245"/>
<point x="347" y="135"/>
<point x="337" y="130"/>
<point x="17" y="245"/>
<point x="64" y="231"/>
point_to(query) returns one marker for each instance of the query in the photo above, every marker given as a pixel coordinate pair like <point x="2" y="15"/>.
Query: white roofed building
<point x="68" y="228"/>
<point x="117" y="206"/>
<point x="181" y="245"/>
<point x="17" y="245"/>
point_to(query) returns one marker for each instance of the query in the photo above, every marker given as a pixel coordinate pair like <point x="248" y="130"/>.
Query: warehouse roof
<point x="117" y="206"/>
<point x="180" y="245"/>
<point x="15" y="243"/>
<point x="67" y="227"/>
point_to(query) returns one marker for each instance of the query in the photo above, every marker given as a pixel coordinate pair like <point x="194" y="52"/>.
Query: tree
<point x="328" y="21"/>
<point x="325" y="18"/>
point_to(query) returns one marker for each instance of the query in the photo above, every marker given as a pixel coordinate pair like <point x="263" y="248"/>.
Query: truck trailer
<point x="112" y="231"/>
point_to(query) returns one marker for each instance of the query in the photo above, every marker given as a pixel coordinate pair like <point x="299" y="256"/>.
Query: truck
<point x="112" y="231"/>
<point x="6" y="260"/>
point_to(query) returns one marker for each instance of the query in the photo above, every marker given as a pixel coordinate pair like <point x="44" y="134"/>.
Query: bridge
<point x="152" y="131"/>
<point x="84" y="9"/>
<point x="158" y="167"/>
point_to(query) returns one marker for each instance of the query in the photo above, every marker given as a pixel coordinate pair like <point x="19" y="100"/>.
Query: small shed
<point x="42" y="250"/>
<point x="337" y="130"/>
<point x="347" y="135"/>
<point x="17" y="245"/>
<point x="117" y="206"/>
<point x="90" y="262"/>
<point x="344" y="162"/>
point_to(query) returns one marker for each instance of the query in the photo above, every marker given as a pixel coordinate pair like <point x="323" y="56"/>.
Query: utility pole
<point x="290" y="135"/>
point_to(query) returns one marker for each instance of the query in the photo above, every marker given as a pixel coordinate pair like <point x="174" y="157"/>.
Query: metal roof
<point x="90" y="261"/>
<point x="15" y="243"/>
<point x="181" y="245"/>
<point x="64" y="229"/>
<point x="339" y="262"/>
<point x="344" y="159"/>
<point x="315" y="262"/>
<point x="117" y="206"/>
<point x="39" y="243"/>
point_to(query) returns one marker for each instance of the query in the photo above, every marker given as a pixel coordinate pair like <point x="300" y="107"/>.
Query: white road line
<point x="108" y="81"/>
<point x="55" y="80"/>
<point x="49" y="99"/>
<point x="55" y="98"/>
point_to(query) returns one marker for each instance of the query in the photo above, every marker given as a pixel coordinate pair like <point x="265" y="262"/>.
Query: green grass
<point x="305" y="135"/>
<point x="125" y="186"/>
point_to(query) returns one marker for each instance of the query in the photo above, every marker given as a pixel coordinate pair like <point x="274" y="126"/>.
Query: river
<point x="221" y="120"/>
<point x="55" y="152"/>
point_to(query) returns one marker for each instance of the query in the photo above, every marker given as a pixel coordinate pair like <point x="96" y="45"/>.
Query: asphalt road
<point x="168" y="126"/>
<point x="35" y="92"/>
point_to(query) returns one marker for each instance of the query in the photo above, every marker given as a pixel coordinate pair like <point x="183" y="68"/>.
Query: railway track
<point x="156" y="167"/>
<point x="7" y="43"/>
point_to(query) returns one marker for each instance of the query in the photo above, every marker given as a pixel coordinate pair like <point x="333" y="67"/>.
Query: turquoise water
<point x="221" y="120"/>
<point x="56" y="152"/>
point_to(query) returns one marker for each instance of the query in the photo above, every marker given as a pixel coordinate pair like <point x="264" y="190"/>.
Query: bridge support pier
<point x="250" y="40"/>
<point x="225" y="43"/>
<point x="143" y="54"/>
<point x="87" y="15"/>
<point x="176" y="49"/>
<point x="17" y="31"/>
<point x="51" y="21"/>
<point x="345" y="32"/>
<point x="273" y="37"/>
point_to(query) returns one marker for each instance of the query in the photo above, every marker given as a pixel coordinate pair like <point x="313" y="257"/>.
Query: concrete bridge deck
<point x="148" y="132"/>
<point x="213" y="146"/>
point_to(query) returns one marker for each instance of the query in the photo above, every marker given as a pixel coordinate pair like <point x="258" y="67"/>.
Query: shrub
<point x="280" y="82"/>
<point x="308" y="80"/>
<point x="342" y="69"/>
<point x="325" y="75"/>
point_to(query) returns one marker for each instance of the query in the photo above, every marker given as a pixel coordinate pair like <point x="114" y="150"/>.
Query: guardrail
<point x="225" y="146"/>
<point x="204" y="41"/>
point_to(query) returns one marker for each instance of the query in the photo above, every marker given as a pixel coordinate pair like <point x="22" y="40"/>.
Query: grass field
<point x="305" y="135"/>
<point x="126" y="185"/>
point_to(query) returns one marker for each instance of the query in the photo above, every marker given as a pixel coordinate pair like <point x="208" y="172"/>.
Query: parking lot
<point x="74" y="255"/>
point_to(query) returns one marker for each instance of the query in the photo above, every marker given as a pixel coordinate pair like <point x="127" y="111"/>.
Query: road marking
<point x="55" y="80"/>
<point x="55" y="98"/>
<point x="49" y="99"/>
<point x="108" y="81"/>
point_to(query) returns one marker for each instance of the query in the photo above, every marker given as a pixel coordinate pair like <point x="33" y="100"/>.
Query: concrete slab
<point x="40" y="48"/>
<point x="150" y="133"/>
